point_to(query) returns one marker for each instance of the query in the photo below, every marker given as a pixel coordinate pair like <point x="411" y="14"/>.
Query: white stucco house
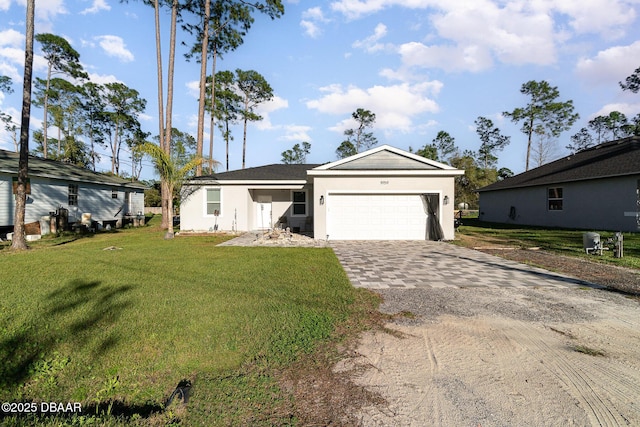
<point x="597" y="188"/>
<point x="56" y="186"/>
<point x="381" y="194"/>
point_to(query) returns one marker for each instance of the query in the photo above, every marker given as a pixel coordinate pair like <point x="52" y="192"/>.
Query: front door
<point x="263" y="218"/>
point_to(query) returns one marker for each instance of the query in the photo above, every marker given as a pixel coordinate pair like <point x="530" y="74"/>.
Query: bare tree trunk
<point x="213" y="110"/>
<point x="164" y="192"/>
<point x="211" y="132"/>
<point x="19" y="240"/>
<point x="159" y="71"/>
<point x="167" y="196"/>
<point x="244" y="143"/>
<point x="203" y="83"/>
<point x="526" y="167"/>
<point x="46" y="108"/>
<point x="226" y="132"/>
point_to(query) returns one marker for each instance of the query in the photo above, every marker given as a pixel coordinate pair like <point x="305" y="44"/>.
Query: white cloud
<point x="470" y="35"/>
<point x="394" y="106"/>
<point x="11" y="54"/>
<point x="11" y="38"/>
<point x="47" y="10"/>
<point x="512" y="34"/>
<point x="370" y="44"/>
<point x="314" y="13"/>
<point x="611" y="65"/>
<point x="103" y="79"/>
<point x="4" y="4"/>
<point x="115" y="46"/>
<point x="145" y="117"/>
<point x="298" y="133"/>
<point x="96" y="7"/>
<point x="265" y="110"/>
<point x="450" y="58"/>
<point x="311" y="29"/>
<point x="605" y="17"/>
<point x="628" y="109"/>
<point x="193" y="88"/>
<point x="87" y="43"/>
<point x="311" y="18"/>
<point x="354" y="9"/>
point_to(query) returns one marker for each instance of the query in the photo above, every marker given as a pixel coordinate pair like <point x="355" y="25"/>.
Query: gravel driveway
<point x="486" y="341"/>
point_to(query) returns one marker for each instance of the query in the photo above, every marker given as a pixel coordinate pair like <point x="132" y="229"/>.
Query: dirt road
<point x="502" y="357"/>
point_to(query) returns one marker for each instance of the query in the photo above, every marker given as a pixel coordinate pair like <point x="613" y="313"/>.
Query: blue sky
<point x="420" y="65"/>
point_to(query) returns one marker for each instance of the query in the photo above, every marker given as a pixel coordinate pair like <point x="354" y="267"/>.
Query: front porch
<point x="282" y="208"/>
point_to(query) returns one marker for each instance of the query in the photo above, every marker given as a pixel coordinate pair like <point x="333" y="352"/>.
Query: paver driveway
<point x="413" y="264"/>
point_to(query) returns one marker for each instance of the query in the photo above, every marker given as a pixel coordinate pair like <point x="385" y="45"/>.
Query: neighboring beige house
<point x="597" y="188"/>
<point x="56" y="186"/>
<point x="381" y="194"/>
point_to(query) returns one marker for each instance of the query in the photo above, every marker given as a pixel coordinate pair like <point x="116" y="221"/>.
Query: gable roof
<point x="611" y="159"/>
<point x="273" y="172"/>
<point x="52" y="169"/>
<point x="377" y="161"/>
<point x="385" y="160"/>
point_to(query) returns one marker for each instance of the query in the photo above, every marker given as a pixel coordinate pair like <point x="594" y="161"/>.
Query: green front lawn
<point x="117" y="330"/>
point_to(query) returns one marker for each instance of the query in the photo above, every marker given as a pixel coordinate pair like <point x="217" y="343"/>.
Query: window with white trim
<point x="213" y="201"/>
<point x="554" y="199"/>
<point x="299" y="205"/>
<point x="73" y="194"/>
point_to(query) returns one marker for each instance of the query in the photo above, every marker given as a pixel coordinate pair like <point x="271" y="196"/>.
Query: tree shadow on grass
<point x="75" y="314"/>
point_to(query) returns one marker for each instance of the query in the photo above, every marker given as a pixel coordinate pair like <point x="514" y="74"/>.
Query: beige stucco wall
<point x="239" y="207"/>
<point x="327" y="185"/>
<point x="603" y="204"/>
<point x="233" y="215"/>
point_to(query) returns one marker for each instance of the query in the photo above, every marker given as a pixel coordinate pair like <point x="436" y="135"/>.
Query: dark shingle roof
<point x="47" y="168"/>
<point x="615" y="158"/>
<point x="274" y="172"/>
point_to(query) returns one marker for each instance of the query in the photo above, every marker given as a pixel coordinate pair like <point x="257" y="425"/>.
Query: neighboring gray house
<point x="54" y="185"/>
<point x="381" y="194"/>
<point x="597" y="188"/>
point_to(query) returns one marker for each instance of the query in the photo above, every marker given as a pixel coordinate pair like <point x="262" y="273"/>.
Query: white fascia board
<point x="382" y="148"/>
<point x="429" y="172"/>
<point x="262" y="183"/>
<point x="267" y="184"/>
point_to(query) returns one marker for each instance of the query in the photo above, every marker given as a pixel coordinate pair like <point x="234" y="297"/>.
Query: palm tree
<point x="171" y="173"/>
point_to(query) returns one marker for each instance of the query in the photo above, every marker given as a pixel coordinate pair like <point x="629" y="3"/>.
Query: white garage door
<point x="376" y="217"/>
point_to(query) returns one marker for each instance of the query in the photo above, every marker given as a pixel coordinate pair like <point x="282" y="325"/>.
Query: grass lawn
<point x="565" y="242"/>
<point x="117" y="330"/>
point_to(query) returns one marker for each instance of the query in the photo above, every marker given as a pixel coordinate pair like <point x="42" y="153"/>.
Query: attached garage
<point x="384" y="194"/>
<point x="354" y="216"/>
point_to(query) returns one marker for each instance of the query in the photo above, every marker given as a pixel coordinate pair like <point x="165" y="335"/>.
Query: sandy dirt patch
<point x="502" y="357"/>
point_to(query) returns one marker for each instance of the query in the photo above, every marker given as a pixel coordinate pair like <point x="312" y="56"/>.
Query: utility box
<point x="591" y="243"/>
<point x="618" y="244"/>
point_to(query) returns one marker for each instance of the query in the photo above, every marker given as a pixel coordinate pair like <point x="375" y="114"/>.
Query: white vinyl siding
<point x="7" y="204"/>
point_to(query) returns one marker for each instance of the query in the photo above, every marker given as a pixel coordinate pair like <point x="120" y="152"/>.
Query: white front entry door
<point x="263" y="218"/>
<point x="376" y="217"/>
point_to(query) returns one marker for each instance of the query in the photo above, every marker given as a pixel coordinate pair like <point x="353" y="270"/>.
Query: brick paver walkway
<point x="412" y="264"/>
